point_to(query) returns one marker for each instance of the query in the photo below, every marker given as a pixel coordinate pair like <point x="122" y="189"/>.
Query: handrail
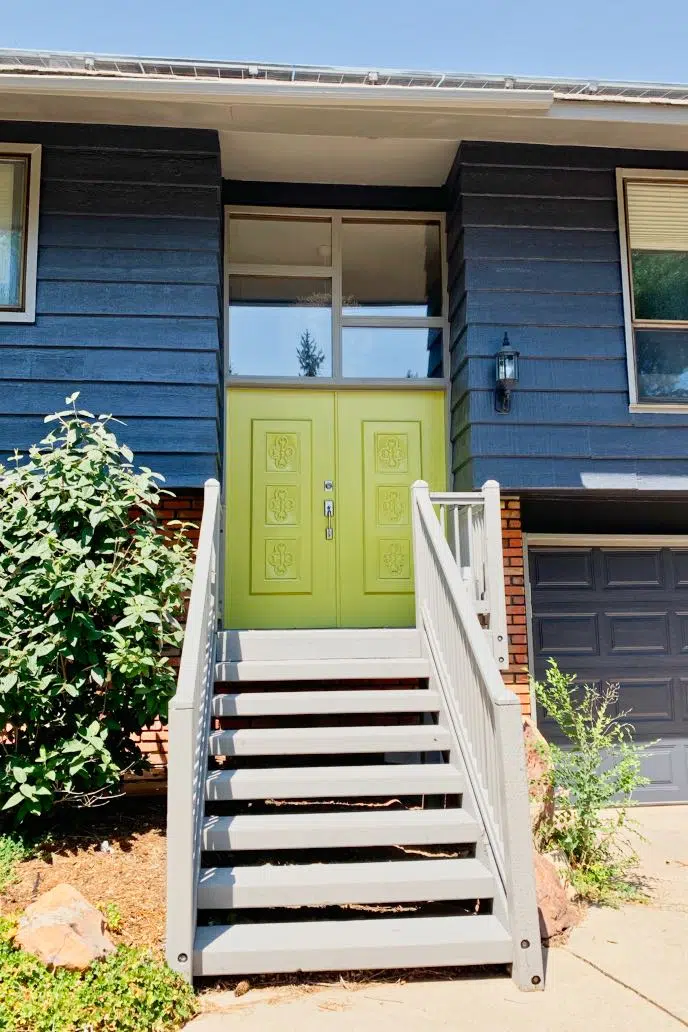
<point x="471" y="524"/>
<point x="189" y="717"/>
<point x="484" y="718"/>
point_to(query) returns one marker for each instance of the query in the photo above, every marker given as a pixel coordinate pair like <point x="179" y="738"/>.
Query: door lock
<point x="329" y="513"/>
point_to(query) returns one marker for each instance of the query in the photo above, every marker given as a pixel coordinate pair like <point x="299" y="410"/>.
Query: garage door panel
<point x="638" y="633"/>
<point x="678" y="561"/>
<point x="563" y="570"/>
<point x="625" y="569"/>
<point x="612" y="615"/>
<point x="567" y="634"/>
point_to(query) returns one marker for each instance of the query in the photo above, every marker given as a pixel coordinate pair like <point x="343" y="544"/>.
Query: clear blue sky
<point x="607" y="39"/>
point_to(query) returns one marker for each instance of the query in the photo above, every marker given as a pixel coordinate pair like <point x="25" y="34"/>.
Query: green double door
<point x="318" y="504"/>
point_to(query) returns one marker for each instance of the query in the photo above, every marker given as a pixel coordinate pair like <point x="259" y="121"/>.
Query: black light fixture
<point x="506" y="375"/>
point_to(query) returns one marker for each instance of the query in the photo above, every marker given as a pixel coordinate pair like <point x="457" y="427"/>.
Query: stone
<point x="556" y="911"/>
<point x="64" y="930"/>
<point x="539" y="774"/>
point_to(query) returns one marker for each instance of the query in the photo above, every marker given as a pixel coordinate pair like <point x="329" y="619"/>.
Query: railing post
<point x="494" y="559"/>
<point x="419" y="490"/>
<point x="187" y="741"/>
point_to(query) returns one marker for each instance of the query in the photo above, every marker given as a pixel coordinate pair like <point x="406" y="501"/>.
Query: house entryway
<point x="318" y="504"/>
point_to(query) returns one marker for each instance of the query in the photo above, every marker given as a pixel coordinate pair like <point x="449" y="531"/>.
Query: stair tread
<point x="339" y="669"/>
<point x="332" y="945"/>
<point x="334" y="828"/>
<point x="388" y="700"/>
<point x="321" y="643"/>
<point x="324" y="782"/>
<point x="394" y="881"/>
<point x="282" y="741"/>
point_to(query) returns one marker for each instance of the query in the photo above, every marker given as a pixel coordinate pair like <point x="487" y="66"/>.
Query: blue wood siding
<point x="534" y="252"/>
<point x="129" y="293"/>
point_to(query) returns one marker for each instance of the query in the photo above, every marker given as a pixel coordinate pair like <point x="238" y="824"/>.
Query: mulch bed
<point x="114" y="854"/>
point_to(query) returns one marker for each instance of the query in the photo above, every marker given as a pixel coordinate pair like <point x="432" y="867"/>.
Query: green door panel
<point x="386" y="440"/>
<point x="282" y="569"/>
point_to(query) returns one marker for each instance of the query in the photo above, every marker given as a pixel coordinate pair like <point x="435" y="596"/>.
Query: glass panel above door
<point x="280" y="326"/>
<point x="390" y="352"/>
<point x="265" y="240"/>
<point x="391" y="268"/>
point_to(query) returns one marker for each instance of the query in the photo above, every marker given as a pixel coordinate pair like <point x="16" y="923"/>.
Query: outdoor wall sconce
<point x="506" y="375"/>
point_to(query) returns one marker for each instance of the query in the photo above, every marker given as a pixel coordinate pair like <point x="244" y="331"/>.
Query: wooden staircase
<point x="342" y="799"/>
<point x="334" y="835"/>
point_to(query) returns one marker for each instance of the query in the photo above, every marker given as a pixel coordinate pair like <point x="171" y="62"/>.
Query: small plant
<point x="594" y="778"/>
<point x="111" y="913"/>
<point x="93" y="593"/>
<point x="132" y="990"/>
<point x="12" y="852"/>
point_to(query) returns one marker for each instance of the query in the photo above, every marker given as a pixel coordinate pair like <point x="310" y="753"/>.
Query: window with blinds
<point x="656" y="221"/>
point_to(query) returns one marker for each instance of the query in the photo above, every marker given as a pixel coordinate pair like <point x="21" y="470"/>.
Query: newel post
<point x="494" y="559"/>
<point x="420" y="497"/>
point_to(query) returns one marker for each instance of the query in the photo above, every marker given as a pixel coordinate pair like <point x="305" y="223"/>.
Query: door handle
<point x="329" y="513"/>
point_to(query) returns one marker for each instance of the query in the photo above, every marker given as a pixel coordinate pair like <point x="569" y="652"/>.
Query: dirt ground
<point x="111" y="855"/>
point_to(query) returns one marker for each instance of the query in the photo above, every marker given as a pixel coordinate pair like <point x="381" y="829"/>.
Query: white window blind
<point x="657" y="215"/>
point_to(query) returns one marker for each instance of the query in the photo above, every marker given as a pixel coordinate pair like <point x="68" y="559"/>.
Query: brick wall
<point x="187" y="506"/>
<point x="516" y="677"/>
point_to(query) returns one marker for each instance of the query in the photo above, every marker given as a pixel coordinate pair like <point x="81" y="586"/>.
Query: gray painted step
<point x="390" y="779"/>
<point x="396" y="881"/>
<point x="307" y="741"/>
<point x="262" y="704"/>
<point x="343" y="945"/>
<point x="332" y="830"/>
<point x="329" y="643"/>
<point x="322" y="669"/>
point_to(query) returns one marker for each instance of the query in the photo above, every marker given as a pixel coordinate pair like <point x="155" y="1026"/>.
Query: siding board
<point x="129" y="293"/>
<point x="535" y="253"/>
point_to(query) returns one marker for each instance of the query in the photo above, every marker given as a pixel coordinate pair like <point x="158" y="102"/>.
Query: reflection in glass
<point x="660" y="284"/>
<point x="265" y="240"/>
<point x="662" y="363"/>
<point x="280" y="326"/>
<point x="13" y="182"/>
<point x="389" y="352"/>
<point x="391" y="268"/>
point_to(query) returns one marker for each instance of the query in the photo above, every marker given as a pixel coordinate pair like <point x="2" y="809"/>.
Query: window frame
<point x="32" y="151"/>
<point x="333" y="273"/>
<point x="631" y="324"/>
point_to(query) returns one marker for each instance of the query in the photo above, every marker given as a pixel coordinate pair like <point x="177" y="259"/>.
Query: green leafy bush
<point x="131" y="991"/>
<point x="93" y="592"/>
<point x="594" y="778"/>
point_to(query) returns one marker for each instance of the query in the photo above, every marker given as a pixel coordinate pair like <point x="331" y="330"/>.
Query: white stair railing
<point x="471" y="522"/>
<point x="485" y="720"/>
<point x="189" y="720"/>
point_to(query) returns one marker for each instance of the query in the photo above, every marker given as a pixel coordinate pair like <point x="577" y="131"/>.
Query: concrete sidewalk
<point x="623" y="969"/>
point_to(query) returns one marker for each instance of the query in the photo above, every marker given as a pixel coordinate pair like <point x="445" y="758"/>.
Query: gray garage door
<point x="621" y="615"/>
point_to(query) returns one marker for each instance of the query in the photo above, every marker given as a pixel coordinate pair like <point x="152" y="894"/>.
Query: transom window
<point x="19" y="183"/>
<point x="351" y="296"/>
<point x="655" y="207"/>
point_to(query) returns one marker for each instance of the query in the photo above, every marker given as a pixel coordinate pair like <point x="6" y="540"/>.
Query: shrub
<point x="132" y="990"/>
<point x="94" y="592"/>
<point x="12" y="852"/>
<point x="594" y="778"/>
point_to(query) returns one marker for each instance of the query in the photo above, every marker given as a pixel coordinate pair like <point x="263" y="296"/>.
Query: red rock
<point x="556" y="912"/>
<point x="63" y="930"/>
<point x="539" y="774"/>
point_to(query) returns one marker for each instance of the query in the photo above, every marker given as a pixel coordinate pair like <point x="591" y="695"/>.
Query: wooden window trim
<point x="27" y="312"/>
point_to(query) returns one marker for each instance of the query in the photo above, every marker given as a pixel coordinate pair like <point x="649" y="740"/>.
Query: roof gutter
<point x="219" y="92"/>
